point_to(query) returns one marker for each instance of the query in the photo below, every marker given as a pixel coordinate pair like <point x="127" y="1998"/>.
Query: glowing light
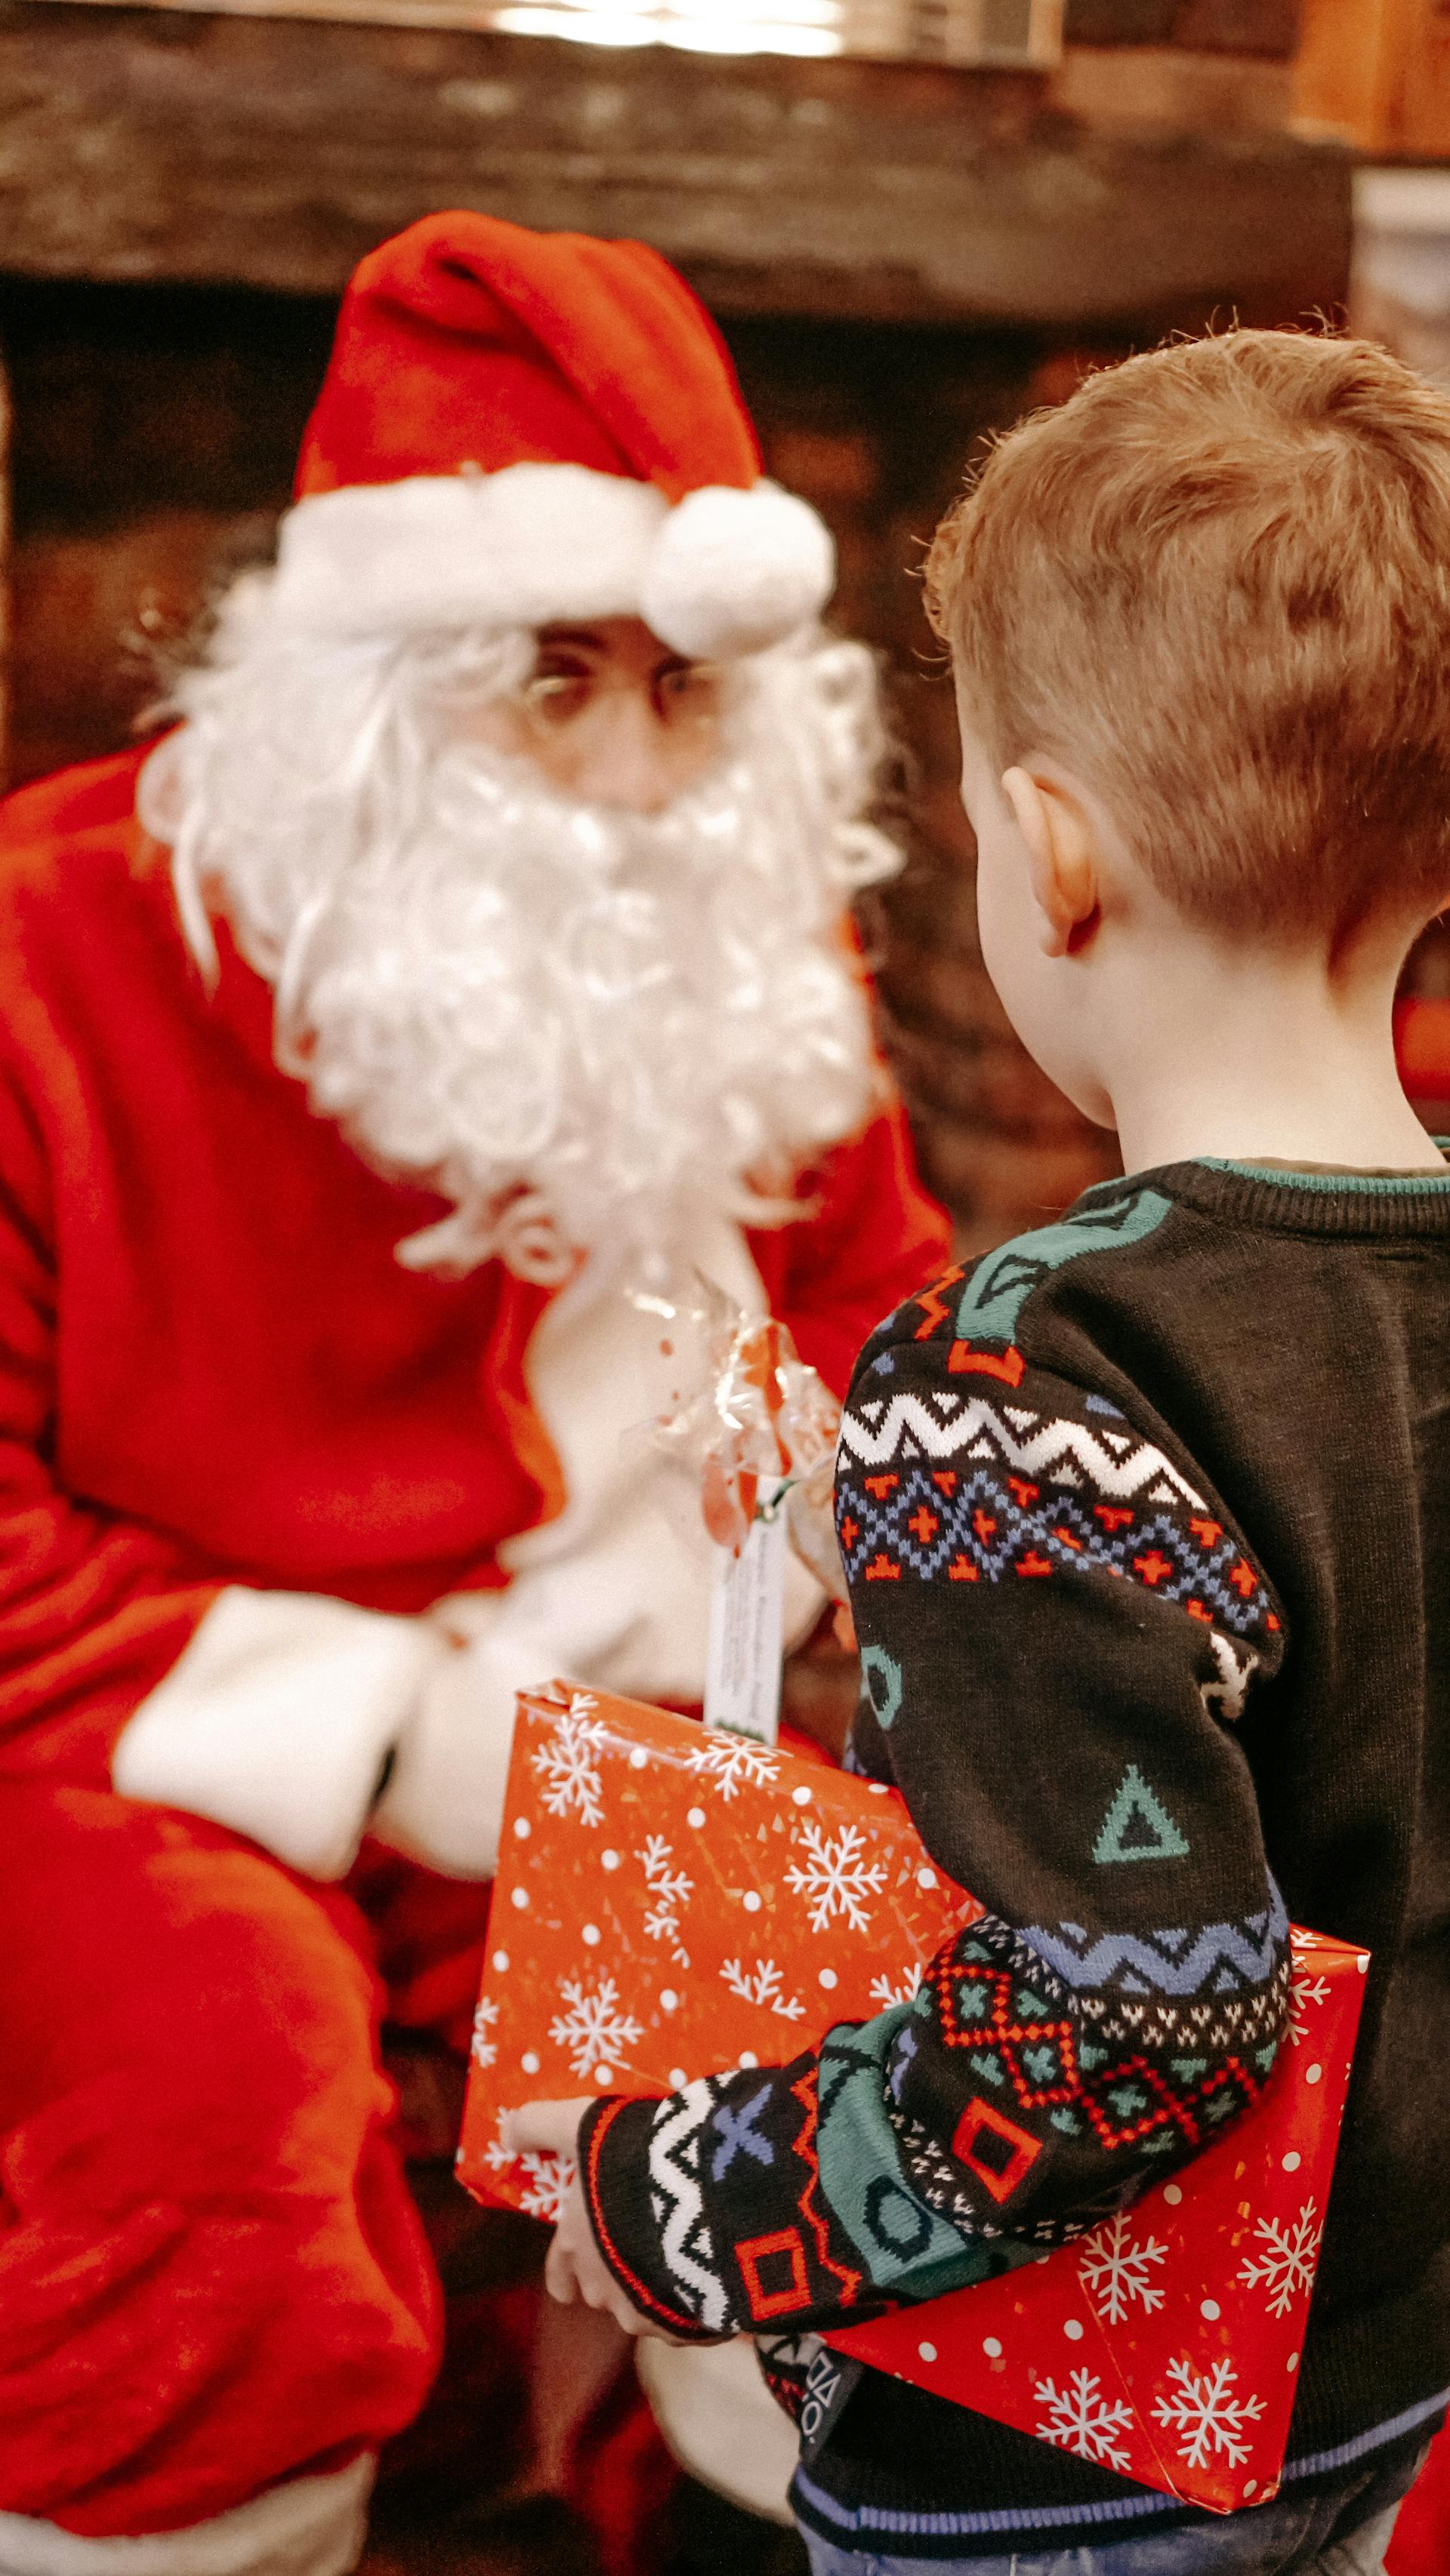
<point x="803" y="27"/>
<point x="589" y="27"/>
<point x="1006" y="32"/>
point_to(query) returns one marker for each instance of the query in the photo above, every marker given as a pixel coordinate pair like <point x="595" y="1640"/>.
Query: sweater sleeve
<point x="1059" y="1629"/>
<point x="126" y="1657"/>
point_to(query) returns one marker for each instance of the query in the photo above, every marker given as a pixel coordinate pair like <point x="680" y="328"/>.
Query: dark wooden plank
<point x="1268" y="27"/>
<point x="160" y="144"/>
<point x="1240" y="26"/>
<point x="1119" y="22"/>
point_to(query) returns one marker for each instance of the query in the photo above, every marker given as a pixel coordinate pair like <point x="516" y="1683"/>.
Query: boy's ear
<point x="1061" y="859"/>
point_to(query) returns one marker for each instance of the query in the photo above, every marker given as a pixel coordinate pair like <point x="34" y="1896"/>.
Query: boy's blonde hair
<point x="1216" y="585"/>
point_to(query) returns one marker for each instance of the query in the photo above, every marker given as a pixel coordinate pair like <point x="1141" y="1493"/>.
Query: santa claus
<point x="467" y="960"/>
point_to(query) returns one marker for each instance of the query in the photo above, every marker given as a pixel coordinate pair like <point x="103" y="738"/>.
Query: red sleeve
<point x="94" y="1609"/>
<point x="874" y="1237"/>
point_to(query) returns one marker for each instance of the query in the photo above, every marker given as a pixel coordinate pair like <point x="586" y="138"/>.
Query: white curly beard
<point x="584" y="1027"/>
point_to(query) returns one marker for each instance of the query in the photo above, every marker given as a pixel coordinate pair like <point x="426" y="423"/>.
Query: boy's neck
<point x="1251" y="1057"/>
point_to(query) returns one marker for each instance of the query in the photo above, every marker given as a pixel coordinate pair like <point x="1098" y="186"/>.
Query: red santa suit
<point x="256" y="1480"/>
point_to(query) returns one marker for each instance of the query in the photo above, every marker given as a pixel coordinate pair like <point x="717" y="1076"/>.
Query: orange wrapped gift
<point x="673" y="1901"/>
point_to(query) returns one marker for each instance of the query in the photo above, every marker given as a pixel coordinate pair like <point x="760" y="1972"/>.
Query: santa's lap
<point x="213" y="2277"/>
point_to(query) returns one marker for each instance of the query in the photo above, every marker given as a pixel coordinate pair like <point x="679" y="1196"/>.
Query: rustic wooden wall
<point x="1268" y="28"/>
<point x="1378" y="73"/>
<point x="170" y="145"/>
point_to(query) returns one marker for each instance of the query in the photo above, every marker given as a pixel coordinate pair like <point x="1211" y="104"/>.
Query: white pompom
<point x="732" y="572"/>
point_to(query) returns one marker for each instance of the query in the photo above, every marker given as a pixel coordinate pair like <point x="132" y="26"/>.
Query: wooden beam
<point x="1165" y="86"/>
<point x="1377" y="72"/>
<point x="160" y="144"/>
<point x="1265" y="27"/>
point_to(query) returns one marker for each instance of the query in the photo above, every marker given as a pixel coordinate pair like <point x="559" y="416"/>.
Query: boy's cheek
<point x="1005" y="923"/>
<point x="1009" y="930"/>
<point x="1035" y="990"/>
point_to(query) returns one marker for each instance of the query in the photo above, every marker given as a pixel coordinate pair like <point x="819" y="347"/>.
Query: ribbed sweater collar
<point x="1282" y="1200"/>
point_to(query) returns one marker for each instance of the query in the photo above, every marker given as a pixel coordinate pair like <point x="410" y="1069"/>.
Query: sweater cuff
<point x="276" y="1721"/>
<point x="625" y="2168"/>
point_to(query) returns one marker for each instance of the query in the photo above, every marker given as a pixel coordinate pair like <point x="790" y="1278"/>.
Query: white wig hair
<point x="577" y="1024"/>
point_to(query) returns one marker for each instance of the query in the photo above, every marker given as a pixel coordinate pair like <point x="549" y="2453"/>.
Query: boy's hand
<point x="575" y="2268"/>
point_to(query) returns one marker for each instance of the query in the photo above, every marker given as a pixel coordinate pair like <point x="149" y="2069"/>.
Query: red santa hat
<point x="519" y="428"/>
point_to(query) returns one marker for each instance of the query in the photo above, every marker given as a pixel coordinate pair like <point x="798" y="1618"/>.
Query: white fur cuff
<point x="725" y="572"/>
<point x="443" y="1804"/>
<point x="309" y="2527"/>
<point x="276" y="1721"/>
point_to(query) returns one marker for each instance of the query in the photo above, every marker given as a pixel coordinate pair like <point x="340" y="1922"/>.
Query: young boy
<point x="1147" y="1515"/>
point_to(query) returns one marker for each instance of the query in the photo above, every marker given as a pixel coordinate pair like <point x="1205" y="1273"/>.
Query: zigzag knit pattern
<point x="967" y="1492"/>
<point x="1218" y="1959"/>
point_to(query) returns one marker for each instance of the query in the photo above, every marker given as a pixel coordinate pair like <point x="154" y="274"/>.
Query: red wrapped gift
<point x="674" y="1901"/>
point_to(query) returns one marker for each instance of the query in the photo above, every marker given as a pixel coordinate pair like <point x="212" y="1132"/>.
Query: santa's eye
<point x="558" y="693"/>
<point x="564" y="687"/>
<point x="687" y="692"/>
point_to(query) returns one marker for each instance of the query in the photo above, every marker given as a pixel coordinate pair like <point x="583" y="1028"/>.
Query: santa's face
<point x="610" y="715"/>
<point x="555" y="920"/>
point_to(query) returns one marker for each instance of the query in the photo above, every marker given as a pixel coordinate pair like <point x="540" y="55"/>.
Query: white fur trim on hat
<point x="308" y="2527"/>
<point x="725" y="572"/>
<point x="734" y="571"/>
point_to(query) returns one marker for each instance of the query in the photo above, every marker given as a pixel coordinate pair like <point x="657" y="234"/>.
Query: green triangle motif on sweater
<point x="1138" y="1826"/>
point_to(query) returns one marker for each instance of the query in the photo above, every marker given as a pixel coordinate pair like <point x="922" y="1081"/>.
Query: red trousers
<point x="1421" y="2545"/>
<point x="212" y="2277"/>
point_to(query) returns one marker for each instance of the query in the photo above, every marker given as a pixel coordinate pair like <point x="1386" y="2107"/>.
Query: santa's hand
<point x="442" y="1802"/>
<point x="575" y="2268"/>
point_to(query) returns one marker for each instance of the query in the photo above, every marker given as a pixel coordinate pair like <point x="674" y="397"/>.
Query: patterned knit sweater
<point x="1147" y="1526"/>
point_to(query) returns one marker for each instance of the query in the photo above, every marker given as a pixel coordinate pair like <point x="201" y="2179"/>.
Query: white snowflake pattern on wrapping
<point x="1205" y="2411"/>
<point x="733" y="1762"/>
<point x="567" y="1762"/>
<point x="1304" y="1993"/>
<point x="1285" y="2268"/>
<point x="903" y="1991"/>
<point x="1114" y="2269"/>
<point x="1237" y="1666"/>
<point x="836" y="1878"/>
<point x="1080" y="2418"/>
<point x="670" y="1889"/>
<point x="594" y="2030"/>
<point x="545" y="2178"/>
<point x="762" y="1985"/>
<point x="484" y="2050"/>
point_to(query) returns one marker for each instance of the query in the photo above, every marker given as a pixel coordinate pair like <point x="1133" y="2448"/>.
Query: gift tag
<point x="742" y="1671"/>
<point x="831" y="2381"/>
